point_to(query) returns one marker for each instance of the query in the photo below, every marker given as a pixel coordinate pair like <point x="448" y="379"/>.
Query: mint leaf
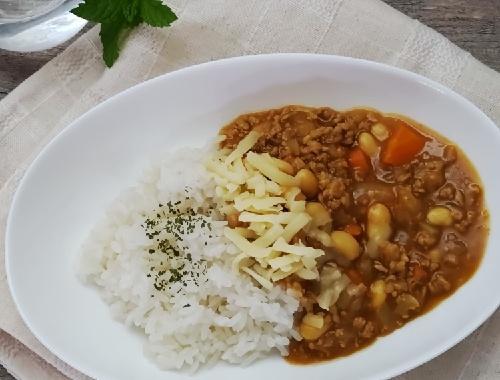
<point x="118" y="16"/>
<point x="154" y="13"/>
<point x="131" y="10"/>
<point x="110" y="38"/>
<point x="98" y="10"/>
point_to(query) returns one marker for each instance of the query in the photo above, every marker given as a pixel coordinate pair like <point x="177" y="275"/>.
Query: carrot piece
<point x="404" y="143"/>
<point x="358" y="160"/>
<point x="353" y="229"/>
<point x="354" y="276"/>
<point x="419" y="273"/>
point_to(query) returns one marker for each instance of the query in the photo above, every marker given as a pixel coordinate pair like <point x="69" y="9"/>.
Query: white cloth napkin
<point x="76" y="81"/>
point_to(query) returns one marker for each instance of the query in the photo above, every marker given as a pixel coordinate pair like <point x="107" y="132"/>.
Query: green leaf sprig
<point x="118" y="16"/>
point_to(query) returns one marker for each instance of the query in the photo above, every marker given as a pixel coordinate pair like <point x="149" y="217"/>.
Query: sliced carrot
<point x="353" y="229"/>
<point x="359" y="160"/>
<point x="404" y="143"/>
<point x="354" y="276"/>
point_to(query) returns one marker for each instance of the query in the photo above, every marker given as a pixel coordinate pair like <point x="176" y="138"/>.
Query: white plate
<point x="67" y="188"/>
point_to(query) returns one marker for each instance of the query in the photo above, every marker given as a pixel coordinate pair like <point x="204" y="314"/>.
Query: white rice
<point x="210" y="313"/>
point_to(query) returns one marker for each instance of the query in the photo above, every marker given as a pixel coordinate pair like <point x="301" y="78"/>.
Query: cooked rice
<point x="208" y="313"/>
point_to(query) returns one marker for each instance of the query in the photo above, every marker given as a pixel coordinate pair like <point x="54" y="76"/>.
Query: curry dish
<point x="400" y="217"/>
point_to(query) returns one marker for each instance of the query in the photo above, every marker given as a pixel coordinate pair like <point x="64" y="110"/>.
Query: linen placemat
<point x="77" y="80"/>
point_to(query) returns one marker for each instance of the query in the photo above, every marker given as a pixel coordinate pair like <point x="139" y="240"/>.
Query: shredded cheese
<point x="264" y="164"/>
<point x="263" y="281"/>
<point x="297" y="223"/>
<point x="261" y="189"/>
<point x="270" y="236"/>
<point x="244" y="146"/>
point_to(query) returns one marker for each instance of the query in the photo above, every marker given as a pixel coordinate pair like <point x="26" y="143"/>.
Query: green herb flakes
<point x="171" y="263"/>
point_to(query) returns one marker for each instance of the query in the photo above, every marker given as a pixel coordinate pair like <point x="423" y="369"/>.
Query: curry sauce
<point x="366" y="164"/>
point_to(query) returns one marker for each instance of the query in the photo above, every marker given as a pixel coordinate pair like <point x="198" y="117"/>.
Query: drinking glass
<point x="13" y="11"/>
<point x="31" y="25"/>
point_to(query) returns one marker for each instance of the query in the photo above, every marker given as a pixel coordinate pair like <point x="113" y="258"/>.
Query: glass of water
<point x="12" y="11"/>
<point x="31" y="25"/>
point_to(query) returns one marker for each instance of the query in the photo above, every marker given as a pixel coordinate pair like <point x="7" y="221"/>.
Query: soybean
<point x="378" y="227"/>
<point x="440" y="216"/>
<point x="308" y="182"/>
<point x="345" y="244"/>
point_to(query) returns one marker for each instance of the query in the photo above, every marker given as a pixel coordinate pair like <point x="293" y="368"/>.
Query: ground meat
<point x="426" y="239"/>
<point x="420" y="294"/>
<point x="405" y="303"/>
<point x="368" y="330"/>
<point x="447" y="192"/>
<point x="419" y="258"/>
<point x="342" y="337"/>
<point x="312" y="146"/>
<point x="333" y="192"/>
<point x="359" y="323"/>
<point x="394" y="286"/>
<point x="398" y="266"/>
<point x="401" y="174"/>
<point x="450" y="259"/>
<point x="389" y="252"/>
<point x="456" y="213"/>
<point x="335" y="187"/>
<point x="378" y="266"/>
<point x="467" y="221"/>
<point x="337" y="151"/>
<point x="438" y="284"/>
<point x="326" y="114"/>
<point x="428" y="176"/>
<point x="234" y="135"/>
<point x="473" y="193"/>
<point x="407" y="207"/>
<point x="452" y="244"/>
<point x="459" y="200"/>
<point x="324" y="342"/>
<point x="450" y="154"/>
<point x="298" y="163"/>
<point x="293" y="134"/>
<point x="338" y="167"/>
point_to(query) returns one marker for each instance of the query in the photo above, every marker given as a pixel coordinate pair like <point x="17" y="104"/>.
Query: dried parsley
<point x="171" y="261"/>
